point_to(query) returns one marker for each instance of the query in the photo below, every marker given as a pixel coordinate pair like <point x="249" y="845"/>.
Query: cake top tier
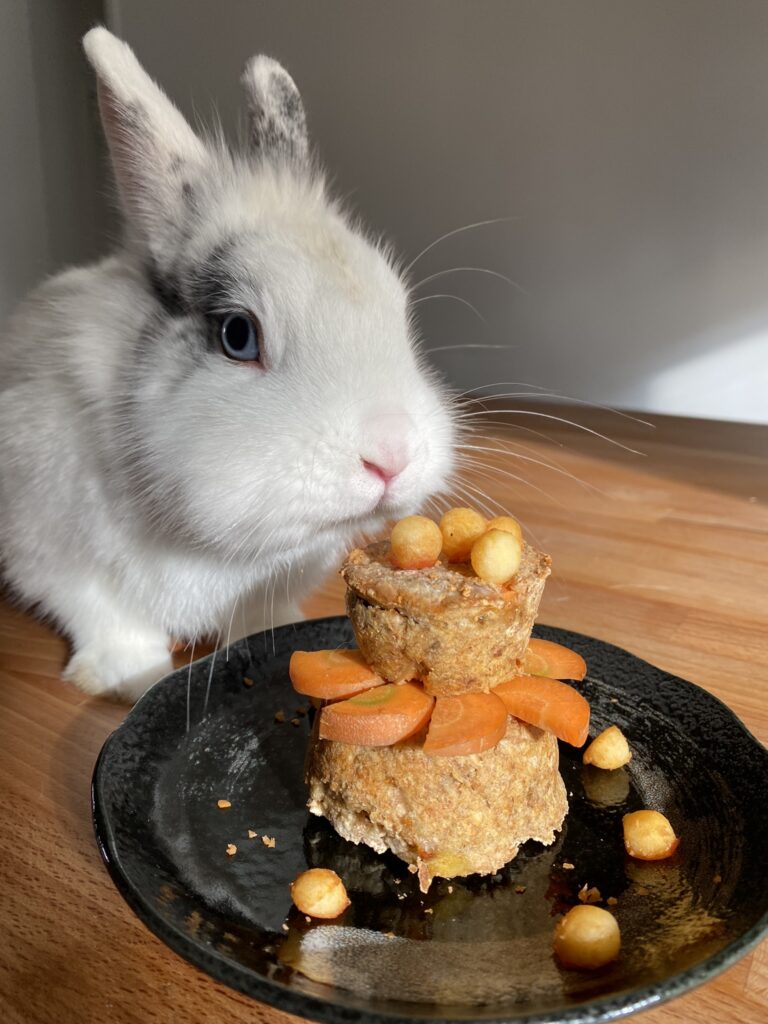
<point x="370" y="574"/>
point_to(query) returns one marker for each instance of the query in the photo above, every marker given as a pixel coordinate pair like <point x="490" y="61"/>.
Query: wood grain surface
<point x="664" y="553"/>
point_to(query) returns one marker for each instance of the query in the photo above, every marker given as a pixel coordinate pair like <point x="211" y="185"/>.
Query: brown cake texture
<point x="442" y="625"/>
<point x="444" y="816"/>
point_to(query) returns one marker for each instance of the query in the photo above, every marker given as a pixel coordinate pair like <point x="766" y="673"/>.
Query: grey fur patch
<point x="278" y="119"/>
<point x="209" y="282"/>
<point x="165" y="288"/>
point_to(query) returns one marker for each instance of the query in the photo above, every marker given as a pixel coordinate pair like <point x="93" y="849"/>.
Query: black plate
<point x="474" y="949"/>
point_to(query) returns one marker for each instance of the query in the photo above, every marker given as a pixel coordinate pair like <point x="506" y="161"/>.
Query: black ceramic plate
<point x="475" y="949"/>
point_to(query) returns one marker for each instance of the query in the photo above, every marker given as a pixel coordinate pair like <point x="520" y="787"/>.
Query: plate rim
<point x="290" y="1000"/>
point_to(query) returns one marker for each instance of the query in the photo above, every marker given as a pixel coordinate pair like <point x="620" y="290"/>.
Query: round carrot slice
<point x="330" y="675"/>
<point x="548" y="704"/>
<point x="468" y="724"/>
<point x="544" y="658"/>
<point x="379" y="717"/>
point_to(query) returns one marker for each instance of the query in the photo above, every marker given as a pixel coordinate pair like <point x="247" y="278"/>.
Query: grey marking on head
<point x="208" y="282"/>
<point x="166" y="290"/>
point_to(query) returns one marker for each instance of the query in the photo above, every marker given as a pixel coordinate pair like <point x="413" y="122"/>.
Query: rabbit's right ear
<point x="154" y="151"/>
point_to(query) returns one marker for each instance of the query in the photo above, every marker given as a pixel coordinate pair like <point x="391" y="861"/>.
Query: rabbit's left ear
<point x="277" y="119"/>
<point x="154" y="151"/>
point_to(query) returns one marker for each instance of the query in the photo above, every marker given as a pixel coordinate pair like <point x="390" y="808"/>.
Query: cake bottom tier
<point x="444" y="816"/>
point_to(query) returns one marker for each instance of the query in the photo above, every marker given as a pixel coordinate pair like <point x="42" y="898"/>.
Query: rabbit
<point x="203" y="421"/>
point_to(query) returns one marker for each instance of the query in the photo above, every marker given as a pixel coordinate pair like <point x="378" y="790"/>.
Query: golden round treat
<point x="609" y="750"/>
<point x="444" y="625"/>
<point x="496" y="556"/>
<point x="648" y="835"/>
<point x="319" y="892"/>
<point x="416" y="543"/>
<point x="586" y="938"/>
<point x="460" y="528"/>
<point x="446" y="816"/>
<point x="508" y="524"/>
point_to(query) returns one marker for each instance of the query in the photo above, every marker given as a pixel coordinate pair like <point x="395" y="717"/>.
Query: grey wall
<point x="628" y="139"/>
<point x="53" y="209"/>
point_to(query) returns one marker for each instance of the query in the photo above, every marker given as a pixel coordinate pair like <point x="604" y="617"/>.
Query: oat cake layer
<point x="443" y="625"/>
<point x="445" y="816"/>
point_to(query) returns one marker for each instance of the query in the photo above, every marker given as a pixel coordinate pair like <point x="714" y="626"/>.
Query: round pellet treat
<point x="506" y="523"/>
<point x="587" y="937"/>
<point x="648" y="835"/>
<point x="415" y="543"/>
<point x="609" y="750"/>
<point x="319" y="892"/>
<point x="496" y="556"/>
<point x="460" y="528"/>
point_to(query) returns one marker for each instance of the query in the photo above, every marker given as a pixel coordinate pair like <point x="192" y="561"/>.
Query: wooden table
<point x="664" y="553"/>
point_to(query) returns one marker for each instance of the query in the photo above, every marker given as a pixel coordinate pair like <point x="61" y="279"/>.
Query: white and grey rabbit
<point x="206" y="418"/>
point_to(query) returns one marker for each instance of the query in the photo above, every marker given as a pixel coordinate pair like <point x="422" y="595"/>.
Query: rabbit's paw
<point x="115" y="669"/>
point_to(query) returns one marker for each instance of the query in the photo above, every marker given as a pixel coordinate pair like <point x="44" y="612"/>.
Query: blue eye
<point x="241" y="337"/>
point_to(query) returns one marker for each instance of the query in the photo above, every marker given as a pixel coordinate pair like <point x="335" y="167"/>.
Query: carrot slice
<point x="379" y="717"/>
<point x="548" y="704"/>
<point x="468" y="724"/>
<point x="543" y="658"/>
<point x="329" y="675"/>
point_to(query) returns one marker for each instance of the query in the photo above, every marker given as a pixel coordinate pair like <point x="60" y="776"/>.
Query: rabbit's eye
<point x="241" y="337"/>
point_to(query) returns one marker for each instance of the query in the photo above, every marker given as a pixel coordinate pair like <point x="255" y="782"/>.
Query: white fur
<point x="150" y="487"/>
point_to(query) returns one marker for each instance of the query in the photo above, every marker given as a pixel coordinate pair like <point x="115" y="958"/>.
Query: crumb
<point x="567" y="866"/>
<point x="717" y="879"/>
<point x="308" y="919"/>
<point x="268" y="841"/>
<point x="401" y="895"/>
<point x="428" y="910"/>
<point x="280" y="716"/>
<point x="412" y="868"/>
<point x="450" y="888"/>
<point x="252" y="834"/>
<point x="223" y="803"/>
<point x="285" y="926"/>
<point x="398" y="881"/>
<point x="247" y="681"/>
<point x="519" y="889"/>
<point x="295" y="721"/>
<point x="611" y="901"/>
<point x="301" y="712"/>
<point x="231" y="849"/>
<point x="614" y="700"/>
<point x="589" y="895"/>
<point x="389" y="935"/>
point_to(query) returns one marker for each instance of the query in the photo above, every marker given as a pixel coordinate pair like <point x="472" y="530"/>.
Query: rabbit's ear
<point x="154" y="151"/>
<point x="278" y="121"/>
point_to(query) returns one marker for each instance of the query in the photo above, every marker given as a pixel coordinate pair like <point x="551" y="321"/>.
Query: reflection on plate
<point x="471" y="949"/>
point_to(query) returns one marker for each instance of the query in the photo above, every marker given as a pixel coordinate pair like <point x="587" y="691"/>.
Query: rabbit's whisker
<point x="456" y="231"/>
<point x="556" y="419"/>
<point x="464" y="302"/>
<point x="468" y="270"/>
<point x="527" y="458"/>
<point x="210" y="673"/>
<point x="483" y="469"/>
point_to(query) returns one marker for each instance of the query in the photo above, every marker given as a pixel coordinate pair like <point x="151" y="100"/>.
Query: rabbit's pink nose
<point x="386" y="467"/>
<point x="384" y="451"/>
